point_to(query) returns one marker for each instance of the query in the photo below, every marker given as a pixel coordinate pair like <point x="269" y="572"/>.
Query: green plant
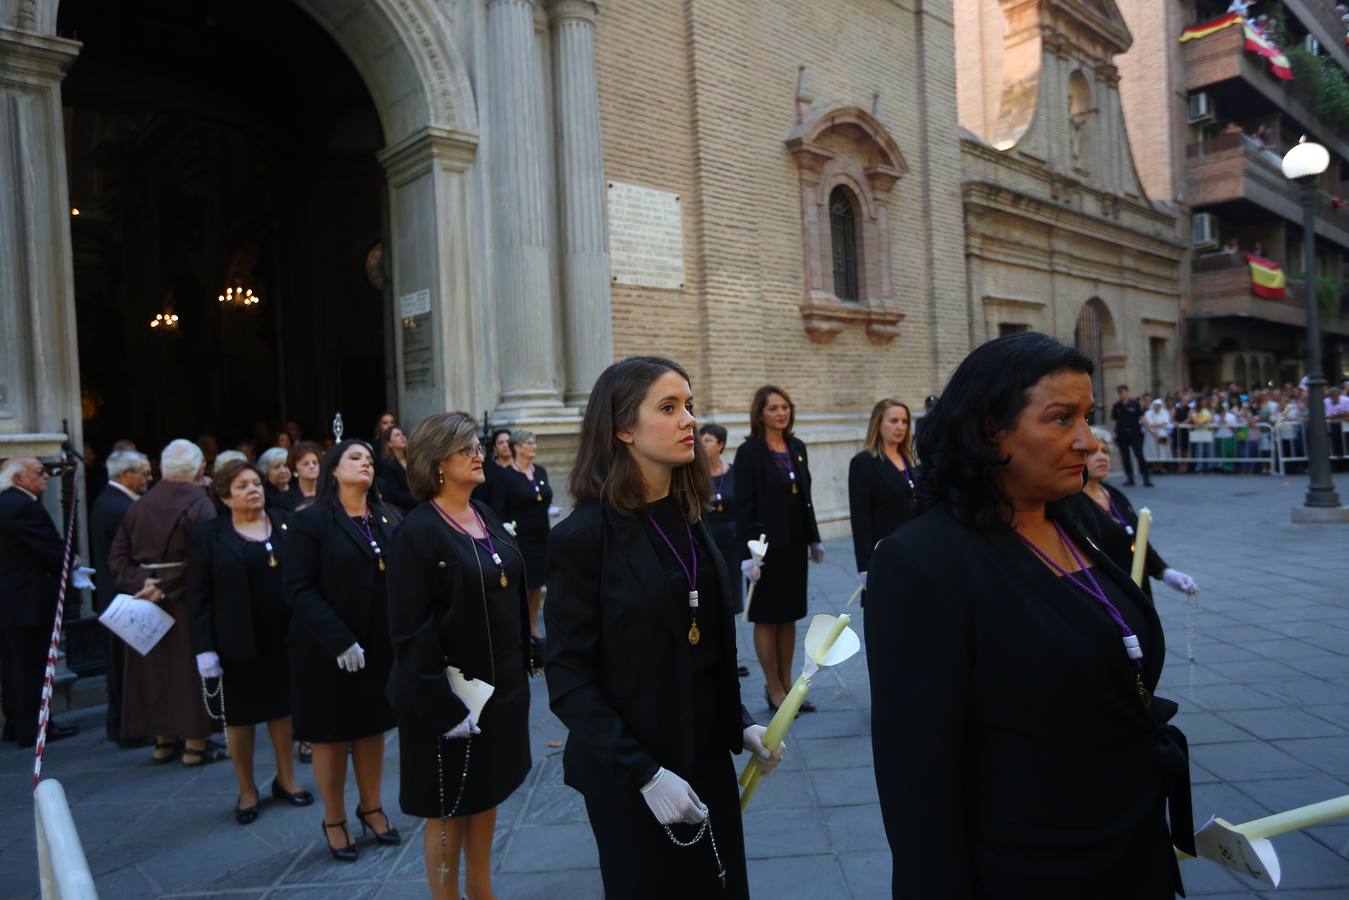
<point x="1328" y="292"/>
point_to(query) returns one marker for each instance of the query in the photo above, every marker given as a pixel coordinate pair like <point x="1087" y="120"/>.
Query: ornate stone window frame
<point x="846" y="145"/>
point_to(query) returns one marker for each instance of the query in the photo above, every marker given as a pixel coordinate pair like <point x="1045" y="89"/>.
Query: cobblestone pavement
<point x="1266" y="708"/>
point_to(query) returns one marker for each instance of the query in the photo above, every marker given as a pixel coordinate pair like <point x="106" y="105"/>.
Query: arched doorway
<point x="1094" y="335"/>
<point x="215" y="149"/>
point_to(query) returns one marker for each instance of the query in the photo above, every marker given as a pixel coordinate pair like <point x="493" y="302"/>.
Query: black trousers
<point x="23" y="661"/>
<point x="639" y="862"/>
<point x="1132" y="442"/>
<point x="116" y="667"/>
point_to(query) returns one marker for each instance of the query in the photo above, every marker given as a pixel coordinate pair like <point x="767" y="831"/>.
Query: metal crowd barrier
<point x="62" y="869"/>
<point x="1267" y="452"/>
<point x="1295" y="451"/>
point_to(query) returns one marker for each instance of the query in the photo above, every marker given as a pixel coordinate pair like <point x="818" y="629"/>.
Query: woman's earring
<point x="440" y="475"/>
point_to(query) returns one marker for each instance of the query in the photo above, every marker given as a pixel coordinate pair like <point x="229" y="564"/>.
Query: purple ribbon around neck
<point x="692" y="577"/>
<point x="363" y="528"/>
<point x="489" y="545"/>
<point x="1093" y="589"/>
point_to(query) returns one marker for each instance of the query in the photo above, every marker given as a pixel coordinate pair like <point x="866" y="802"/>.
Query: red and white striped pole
<point x="49" y="680"/>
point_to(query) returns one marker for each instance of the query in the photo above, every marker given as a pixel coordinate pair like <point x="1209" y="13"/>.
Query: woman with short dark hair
<point x="641" y="646"/>
<point x="721" y="511"/>
<point x="304" y="461"/>
<point x="500" y="457"/>
<point x="1042" y="764"/>
<point x="457" y="598"/>
<point x="881" y="481"/>
<point x="773" y="498"/>
<point x="339" y="638"/>
<point x="237" y="618"/>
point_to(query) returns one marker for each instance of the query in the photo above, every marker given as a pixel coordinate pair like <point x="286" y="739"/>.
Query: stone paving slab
<point x="1265" y="703"/>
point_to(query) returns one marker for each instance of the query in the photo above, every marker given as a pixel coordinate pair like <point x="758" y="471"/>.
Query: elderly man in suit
<point x="128" y="479"/>
<point x="31" y="553"/>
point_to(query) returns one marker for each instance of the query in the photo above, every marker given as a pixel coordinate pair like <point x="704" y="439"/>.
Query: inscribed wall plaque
<point x="418" y="351"/>
<point x="646" y="239"/>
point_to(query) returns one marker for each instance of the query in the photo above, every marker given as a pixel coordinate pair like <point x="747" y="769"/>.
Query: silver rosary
<point x="440" y="789"/>
<point x="207" y="697"/>
<point x="705" y="828"/>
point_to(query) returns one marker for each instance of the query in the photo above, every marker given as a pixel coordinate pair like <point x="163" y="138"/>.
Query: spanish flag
<point x="1266" y="277"/>
<point x="1204" y="29"/>
<point x="1263" y="46"/>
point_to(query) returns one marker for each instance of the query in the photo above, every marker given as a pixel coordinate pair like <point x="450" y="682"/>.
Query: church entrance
<point x="228" y="222"/>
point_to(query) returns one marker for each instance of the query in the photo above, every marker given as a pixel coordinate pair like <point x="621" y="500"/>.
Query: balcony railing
<point x="1220" y="287"/>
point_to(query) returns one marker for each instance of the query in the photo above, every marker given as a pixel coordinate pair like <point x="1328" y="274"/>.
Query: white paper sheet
<point x="473" y="691"/>
<point x="1219" y="842"/>
<point x="138" y="622"/>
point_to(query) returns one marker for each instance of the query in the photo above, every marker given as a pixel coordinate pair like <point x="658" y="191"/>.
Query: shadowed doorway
<point x="216" y="148"/>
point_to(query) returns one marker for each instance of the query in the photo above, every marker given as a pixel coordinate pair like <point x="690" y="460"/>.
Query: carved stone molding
<point x="846" y="146"/>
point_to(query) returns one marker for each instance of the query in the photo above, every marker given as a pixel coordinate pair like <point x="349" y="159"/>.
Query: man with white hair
<point x="31" y="553"/>
<point x="161" y="691"/>
<point x="128" y="479"/>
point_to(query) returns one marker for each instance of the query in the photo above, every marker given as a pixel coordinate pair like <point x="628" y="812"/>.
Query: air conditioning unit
<point x="1311" y="45"/>
<point x="1201" y="108"/>
<point x="1204" y="231"/>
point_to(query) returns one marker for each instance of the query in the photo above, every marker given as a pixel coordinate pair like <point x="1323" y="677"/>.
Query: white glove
<point x="208" y="665"/>
<point x="464" y="728"/>
<point x="1179" y="581"/>
<point x="672" y="800"/>
<point x="352" y="659"/>
<point x="750" y="569"/>
<point x="766" y="761"/>
<point x="554" y="512"/>
<point x="816" y="553"/>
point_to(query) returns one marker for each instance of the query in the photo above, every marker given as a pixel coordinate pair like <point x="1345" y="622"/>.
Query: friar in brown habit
<point x="161" y="692"/>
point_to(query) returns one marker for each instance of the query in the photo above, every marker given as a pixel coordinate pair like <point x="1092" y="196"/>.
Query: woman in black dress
<point x="237" y="618"/>
<point x="1110" y="516"/>
<point x="340" y="653"/>
<point x="641" y="646"/>
<point x="773" y="499"/>
<point x="721" y="513"/>
<point x="1019" y="749"/>
<point x="523" y="495"/>
<point x="881" y="482"/>
<point x="457" y="597"/>
<point x="392" y="469"/>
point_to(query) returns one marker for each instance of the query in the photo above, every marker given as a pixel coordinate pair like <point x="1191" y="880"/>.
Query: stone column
<point x="524" y="309"/>
<point x="588" y="325"/>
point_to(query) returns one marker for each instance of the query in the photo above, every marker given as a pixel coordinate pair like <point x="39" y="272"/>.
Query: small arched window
<point x="844" y="231"/>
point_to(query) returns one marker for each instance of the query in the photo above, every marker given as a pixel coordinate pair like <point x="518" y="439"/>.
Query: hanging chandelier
<point x="165" y="320"/>
<point x="239" y="295"/>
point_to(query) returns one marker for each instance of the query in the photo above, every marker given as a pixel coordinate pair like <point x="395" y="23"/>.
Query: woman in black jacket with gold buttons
<point x="457" y="598"/>
<point x="881" y="482"/>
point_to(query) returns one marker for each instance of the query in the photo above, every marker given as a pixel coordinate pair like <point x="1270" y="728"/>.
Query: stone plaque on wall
<point x="646" y="239"/>
<point x="418" y="352"/>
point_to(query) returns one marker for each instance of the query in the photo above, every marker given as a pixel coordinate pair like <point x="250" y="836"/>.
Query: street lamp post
<point x="1305" y="164"/>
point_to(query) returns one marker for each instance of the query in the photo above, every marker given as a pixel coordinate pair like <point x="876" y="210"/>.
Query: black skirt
<point x="638" y="859"/>
<point x="256" y="690"/>
<point x="780" y="596"/>
<point x="431" y="769"/>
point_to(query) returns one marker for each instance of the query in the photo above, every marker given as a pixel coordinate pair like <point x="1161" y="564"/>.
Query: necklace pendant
<point x="381" y="564"/>
<point x="794" y="490"/>
<point x="505" y="582"/>
<point x="1142" y="691"/>
<point x="538" y="497"/>
<point x="694" y="635"/>
<point x="271" y="561"/>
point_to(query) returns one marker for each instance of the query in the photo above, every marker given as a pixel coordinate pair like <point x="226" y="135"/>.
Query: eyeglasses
<point x="473" y="451"/>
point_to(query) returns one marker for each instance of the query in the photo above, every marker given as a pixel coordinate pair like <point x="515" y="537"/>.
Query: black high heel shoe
<point x="768" y="698"/>
<point x="246" y="816"/>
<point x="341" y="854"/>
<point x="299" y="798"/>
<point x="389" y="837"/>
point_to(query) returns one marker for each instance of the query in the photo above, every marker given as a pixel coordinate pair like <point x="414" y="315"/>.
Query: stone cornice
<point x="26" y="56"/>
<point x="413" y="154"/>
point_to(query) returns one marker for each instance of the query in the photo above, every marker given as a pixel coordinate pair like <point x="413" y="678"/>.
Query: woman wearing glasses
<point x="457" y="598"/>
<point x="523" y="494"/>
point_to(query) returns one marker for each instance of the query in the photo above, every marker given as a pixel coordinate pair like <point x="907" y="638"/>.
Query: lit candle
<point x="1141" y="544"/>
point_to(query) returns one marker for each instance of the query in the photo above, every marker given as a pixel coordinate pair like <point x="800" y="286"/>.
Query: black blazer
<point x="278" y="500"/>
<point x="879" y="502"/>
<point x="616" y="677"/>
<point x="1117" y="543"/>
<point x="31" y="552"/>
<point x="760" y="501"/>
<point x="393" y="485"/>
<point x="329" y="579"/>
<point x="219" y="608"/>
<point x="104" y="518"/>
<point x="437" y="618"/>
<point x="1008" y="734"/>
